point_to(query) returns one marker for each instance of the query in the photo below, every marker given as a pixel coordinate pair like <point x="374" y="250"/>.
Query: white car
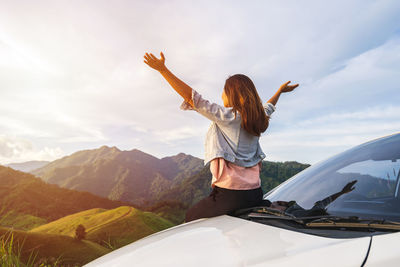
<point x="344" y="211"/>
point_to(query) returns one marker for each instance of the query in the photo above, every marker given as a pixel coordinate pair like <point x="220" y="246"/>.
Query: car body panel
<point x="231" y="241"/>
<point x="384" y="251"/>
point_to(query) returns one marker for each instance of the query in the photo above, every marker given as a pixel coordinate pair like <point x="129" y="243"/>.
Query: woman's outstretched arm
<point x="283" y="89"/>
<point x="179" y="86"/>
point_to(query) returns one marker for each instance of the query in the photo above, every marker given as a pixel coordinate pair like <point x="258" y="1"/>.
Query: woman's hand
<point x="155" y="63"/>
<point x="179" y="86"/>
<point x="283" y="89"/>
<point x="287" y="88"/>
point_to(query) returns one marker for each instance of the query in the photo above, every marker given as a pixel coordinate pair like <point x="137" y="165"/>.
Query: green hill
<point x="70" y="250"/>
<point x="26" y="201"/>
<point x="193" y="188"/>
<point x="173" y="203"/>
<point x="116" y="227"/>
<point x="274" y="173"/>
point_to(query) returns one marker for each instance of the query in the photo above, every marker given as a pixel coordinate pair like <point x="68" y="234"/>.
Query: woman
<point x="232" y="143"/>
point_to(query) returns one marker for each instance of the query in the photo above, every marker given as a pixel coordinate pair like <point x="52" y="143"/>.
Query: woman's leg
<point x="224" y="201"/>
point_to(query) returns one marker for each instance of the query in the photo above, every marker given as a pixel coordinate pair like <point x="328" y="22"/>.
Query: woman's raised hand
<point x="287" y="88"/>
<point x="155" y="63"/>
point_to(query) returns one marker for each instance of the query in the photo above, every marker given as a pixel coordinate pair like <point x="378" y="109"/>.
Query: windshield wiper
<point x="322" y="221"/>
<point x="353" y="222"/>
<point x="268" y="213"/>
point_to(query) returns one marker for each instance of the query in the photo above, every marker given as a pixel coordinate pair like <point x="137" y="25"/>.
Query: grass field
<point x="20" y="221"/>
<point x="110" y="228"/>
<point x="105" y="230"/>
<point x="46" y="246"/>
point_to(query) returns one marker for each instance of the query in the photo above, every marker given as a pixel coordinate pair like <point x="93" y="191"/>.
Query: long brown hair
<point x="243" y="98"/>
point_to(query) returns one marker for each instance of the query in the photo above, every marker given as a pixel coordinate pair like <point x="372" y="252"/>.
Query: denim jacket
<point x="225" y="137"/>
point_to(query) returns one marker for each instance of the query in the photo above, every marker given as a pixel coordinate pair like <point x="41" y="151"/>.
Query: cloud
<point x="366" y="79"/>
<point x="74" y="75"/>
<point x="14" y="150"/>
<point x="322" y="136"/>
<point x="174" y="135"/>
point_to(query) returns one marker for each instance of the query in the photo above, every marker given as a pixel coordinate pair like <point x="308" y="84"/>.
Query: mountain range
<point x="132" y="176"/>
<point x="28" y="166"/>
<point x="166" y="186"/>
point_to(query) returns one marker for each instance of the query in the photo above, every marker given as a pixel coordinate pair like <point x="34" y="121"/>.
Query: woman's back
<point x="226" y="138"/>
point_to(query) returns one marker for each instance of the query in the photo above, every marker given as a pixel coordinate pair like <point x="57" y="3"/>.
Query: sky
<point x="72" y="75"/>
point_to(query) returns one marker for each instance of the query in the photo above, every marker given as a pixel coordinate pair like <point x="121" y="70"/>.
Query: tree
<point x="80" y="232"/>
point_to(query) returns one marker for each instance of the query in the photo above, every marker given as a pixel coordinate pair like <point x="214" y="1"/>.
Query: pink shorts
<point x="225" y="174"/>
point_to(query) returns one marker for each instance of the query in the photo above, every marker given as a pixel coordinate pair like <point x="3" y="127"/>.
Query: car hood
<point x="230" y="241"/>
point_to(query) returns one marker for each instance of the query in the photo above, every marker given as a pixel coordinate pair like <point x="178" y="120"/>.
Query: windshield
<point x="362" y="182"/>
